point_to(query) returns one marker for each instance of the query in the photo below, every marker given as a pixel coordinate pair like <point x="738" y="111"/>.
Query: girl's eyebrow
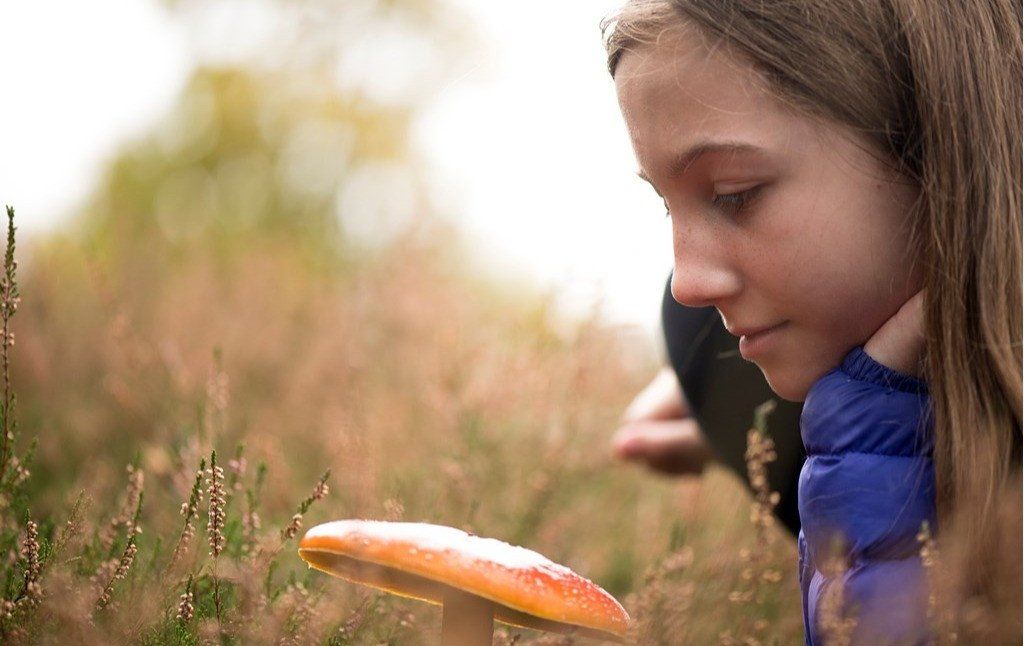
<point x="683" y="160"/>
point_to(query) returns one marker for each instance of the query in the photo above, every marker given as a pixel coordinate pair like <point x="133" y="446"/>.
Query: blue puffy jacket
<point x="869" y="481"/>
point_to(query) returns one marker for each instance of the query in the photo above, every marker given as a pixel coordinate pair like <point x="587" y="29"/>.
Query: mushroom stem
<point x="468" y="620"/>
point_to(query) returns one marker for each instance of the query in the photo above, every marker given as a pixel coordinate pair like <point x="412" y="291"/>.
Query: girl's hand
<point x="658" y="430"/>
<point x="899" y="344"/>
<point x="670" y="447"/>
<point x="662" y="399"/>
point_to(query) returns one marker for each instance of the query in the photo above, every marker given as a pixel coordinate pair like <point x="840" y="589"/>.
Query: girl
<point x="843" y="179"/>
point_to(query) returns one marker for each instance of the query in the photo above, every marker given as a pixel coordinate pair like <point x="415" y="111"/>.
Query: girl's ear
<point x="900" y="344"/>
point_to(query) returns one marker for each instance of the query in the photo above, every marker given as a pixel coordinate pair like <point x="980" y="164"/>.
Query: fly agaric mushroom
<point x="476" y="580"/>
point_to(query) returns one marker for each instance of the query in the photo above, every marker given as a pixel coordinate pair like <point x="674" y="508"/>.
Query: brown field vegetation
<point x="428" y="396"/>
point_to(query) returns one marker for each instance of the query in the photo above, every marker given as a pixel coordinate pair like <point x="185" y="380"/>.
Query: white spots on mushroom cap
<point x="438" y="538"/>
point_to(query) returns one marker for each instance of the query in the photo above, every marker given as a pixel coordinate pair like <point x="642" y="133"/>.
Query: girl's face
<point x="777" y="219"/>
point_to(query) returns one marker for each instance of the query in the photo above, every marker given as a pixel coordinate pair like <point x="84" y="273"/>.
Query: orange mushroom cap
<point x="424" y="561"/>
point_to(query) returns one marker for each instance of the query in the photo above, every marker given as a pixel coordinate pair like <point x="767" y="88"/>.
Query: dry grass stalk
<point x="67" y="611"/>
<point x="835" y="623"/>
<point x="356" y="619"/>
<point x="758" y="575"/>
<point x="929" y="553"/>
<point x="251" y="525"/>
<point x="31" y="593"/>
<point x="394" y="510"/>
<point x="652" y="623"/>
<point x="298" y="627"/>
<point x="17" y="473"/>
<point x="251" y="521"/>
<point x="185" y="608"/>
<point x="320" y="491"/>
<point x="216" y="521"/>
<point x="293" y="527"/>
<point x="941" y="613"/>
<point x="124" y="563"/>
<point x="189" y="510"/>
<point x="252" y="606"/>
<point x="216" y="497"/>
<point x="123" y="518"/>
<point x="71" y="530"/>
<point x="31" y="590"/>
<point x="9" y="301"/>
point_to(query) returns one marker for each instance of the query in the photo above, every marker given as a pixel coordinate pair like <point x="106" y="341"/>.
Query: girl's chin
<point x="792" y="373"/>
<point x="788" y="382"/>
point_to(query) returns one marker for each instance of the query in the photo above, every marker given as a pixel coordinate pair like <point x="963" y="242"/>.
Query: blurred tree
<point x="229" y="220"/>
<point x="244" y="156"/>
<point x="304" y="129"/>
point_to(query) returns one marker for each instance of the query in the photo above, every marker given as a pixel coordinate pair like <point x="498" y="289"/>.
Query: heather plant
<point x="761" y="572"/>
<point x="836" y="621"/>
<point x="428" y="397"/>
<point x="502" y="410"/>
<point x="48" y="593"/>
<point x="702" y="593"/>
<point x="24" y="554"/>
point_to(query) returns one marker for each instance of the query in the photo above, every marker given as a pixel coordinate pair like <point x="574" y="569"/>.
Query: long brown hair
<point x="936" y="88"/>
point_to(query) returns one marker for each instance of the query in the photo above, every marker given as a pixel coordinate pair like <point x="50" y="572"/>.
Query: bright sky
<point x="528" y="145"/>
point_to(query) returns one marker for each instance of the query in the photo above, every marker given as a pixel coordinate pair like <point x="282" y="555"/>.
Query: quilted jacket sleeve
<point x="865" y="489"/>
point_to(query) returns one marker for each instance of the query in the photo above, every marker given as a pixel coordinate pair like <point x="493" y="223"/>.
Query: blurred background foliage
<point x="264" y="267"/>
<point x="238" y="198"/>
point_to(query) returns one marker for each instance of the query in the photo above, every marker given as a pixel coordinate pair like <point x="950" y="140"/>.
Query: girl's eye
<point x="735" y="201"/>
<point x="731" y="202"/>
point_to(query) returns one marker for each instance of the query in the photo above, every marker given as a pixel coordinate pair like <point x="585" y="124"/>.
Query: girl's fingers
<point x="899" y="344"/>
<point x="675" y="447"/>
<point x="661" y="399"/>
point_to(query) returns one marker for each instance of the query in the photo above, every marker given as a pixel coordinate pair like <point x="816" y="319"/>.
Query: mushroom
<point x="476" y="580"/>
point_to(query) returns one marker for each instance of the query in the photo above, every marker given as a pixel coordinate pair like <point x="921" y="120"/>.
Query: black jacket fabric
<point x="723" y="390"/>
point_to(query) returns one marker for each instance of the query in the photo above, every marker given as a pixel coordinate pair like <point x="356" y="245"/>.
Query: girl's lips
<point x="752" y="345"/>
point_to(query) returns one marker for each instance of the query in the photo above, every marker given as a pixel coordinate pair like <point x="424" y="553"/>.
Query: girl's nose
<point x="701" y="275"/>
